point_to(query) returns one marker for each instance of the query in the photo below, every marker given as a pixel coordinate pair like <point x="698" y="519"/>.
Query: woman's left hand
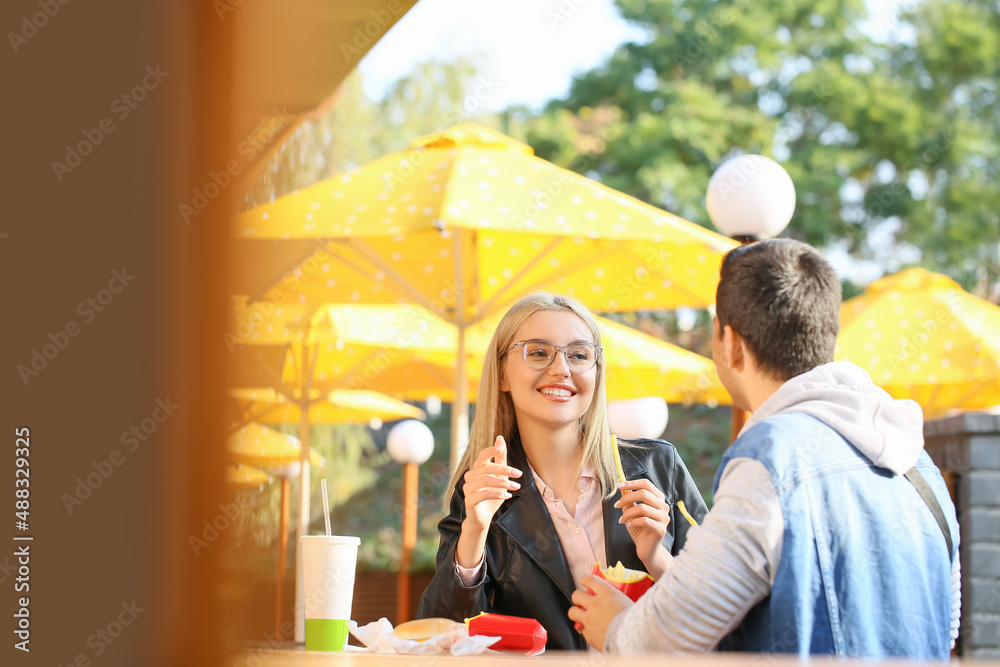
<point x="646" y="515"/>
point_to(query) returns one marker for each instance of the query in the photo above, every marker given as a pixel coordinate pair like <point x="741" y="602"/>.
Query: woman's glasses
<point x="581" y="356"/>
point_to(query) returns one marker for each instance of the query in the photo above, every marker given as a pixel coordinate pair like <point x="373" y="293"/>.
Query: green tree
<point x="889" y="130"/>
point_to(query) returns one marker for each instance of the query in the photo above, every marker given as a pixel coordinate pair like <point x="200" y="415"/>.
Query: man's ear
<point x="732" y="343"/>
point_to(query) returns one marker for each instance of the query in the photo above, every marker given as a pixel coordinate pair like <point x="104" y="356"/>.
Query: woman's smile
<point x="557" y="392"/>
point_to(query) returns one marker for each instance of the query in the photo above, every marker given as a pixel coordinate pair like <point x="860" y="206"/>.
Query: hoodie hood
<point x="888" y="431"/>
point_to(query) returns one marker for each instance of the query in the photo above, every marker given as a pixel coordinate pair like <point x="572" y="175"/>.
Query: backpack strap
<point x="925" y="492"/>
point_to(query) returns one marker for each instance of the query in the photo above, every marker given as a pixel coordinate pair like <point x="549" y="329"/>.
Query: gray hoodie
<point x="888" y="431"/>
<point x="729" y="562"/>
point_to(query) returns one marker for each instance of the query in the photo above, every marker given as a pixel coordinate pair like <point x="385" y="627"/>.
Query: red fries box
<point x="517" y="634"/>
<point x="632" y="583"/>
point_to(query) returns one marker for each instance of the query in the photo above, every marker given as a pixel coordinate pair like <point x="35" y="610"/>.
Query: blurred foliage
<point x="701" y="435"/>
<point x="374" y="513"/>
<point x="888" y="129"/>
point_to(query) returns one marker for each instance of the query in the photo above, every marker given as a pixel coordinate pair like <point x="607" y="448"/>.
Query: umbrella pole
<point x="304" y="482"/>
<point x="282" y="554"/>
<point x="460" y="406"/>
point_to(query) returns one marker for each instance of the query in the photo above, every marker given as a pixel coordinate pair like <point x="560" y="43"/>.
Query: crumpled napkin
<point x="378" y="638"/>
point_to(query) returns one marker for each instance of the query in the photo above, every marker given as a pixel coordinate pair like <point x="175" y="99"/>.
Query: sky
<point x="532" y="49"/>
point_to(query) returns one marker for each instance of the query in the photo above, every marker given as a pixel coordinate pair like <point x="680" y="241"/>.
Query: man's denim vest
<point x="864" y="568"/>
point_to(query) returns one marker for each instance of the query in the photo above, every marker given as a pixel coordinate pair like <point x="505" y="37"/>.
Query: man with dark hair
<point x="832" y="531"/>
<point x="784" y="299"/>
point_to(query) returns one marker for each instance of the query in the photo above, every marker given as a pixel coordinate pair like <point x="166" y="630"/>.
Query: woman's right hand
<point x="487" y="486"/>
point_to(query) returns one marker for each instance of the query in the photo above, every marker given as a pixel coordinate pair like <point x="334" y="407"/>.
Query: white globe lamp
<point x="750" y="197"/>
<point x="638" y="417"/>
<point x="410" y="441"/>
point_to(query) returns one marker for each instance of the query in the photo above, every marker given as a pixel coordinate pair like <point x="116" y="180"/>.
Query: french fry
<point x="632" y="583"/>
<point x="684" y="513"/>
<point x="618" y="461"/>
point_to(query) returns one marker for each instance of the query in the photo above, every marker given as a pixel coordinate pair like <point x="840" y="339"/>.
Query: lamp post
<point x="749" y="198"/>
<point x="410" y="443"/>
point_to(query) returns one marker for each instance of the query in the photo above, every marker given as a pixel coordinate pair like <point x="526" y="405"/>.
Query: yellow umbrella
<point x="463" y="223"/>
<point x="263" y="333"/>
<point x="640" y="365"/>
<point x="637" y="364"/>
<point x="240" y="475"/>
<point x="259" y="446"/>
<point x="469" y="216"/>
<point x="300" y="335"/>
<point x="401" y="350"/>
<point x="267" y="406"/>
<point x="920" y="336"/>
<point x="411" y="361"/>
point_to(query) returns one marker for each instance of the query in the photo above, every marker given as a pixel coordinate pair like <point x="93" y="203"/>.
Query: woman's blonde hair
<point x="495" y="410"/>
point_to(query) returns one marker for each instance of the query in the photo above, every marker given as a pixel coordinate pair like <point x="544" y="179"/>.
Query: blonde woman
<point x="535" y="501"/>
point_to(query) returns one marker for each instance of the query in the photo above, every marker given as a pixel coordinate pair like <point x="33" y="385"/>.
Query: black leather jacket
<point x="526" y="571"/>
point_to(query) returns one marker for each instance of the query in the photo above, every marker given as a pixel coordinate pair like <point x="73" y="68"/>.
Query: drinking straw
<point x="326" y="506"/>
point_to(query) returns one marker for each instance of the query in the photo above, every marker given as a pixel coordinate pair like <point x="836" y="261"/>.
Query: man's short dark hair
<point x="783" y="298"/>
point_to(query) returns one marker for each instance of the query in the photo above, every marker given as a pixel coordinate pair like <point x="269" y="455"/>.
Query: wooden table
<point x="301" y="658"/>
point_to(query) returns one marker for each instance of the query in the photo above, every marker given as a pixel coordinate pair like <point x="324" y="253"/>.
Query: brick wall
<point x="967" y="450"/>
<point x="375" y="595"/>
